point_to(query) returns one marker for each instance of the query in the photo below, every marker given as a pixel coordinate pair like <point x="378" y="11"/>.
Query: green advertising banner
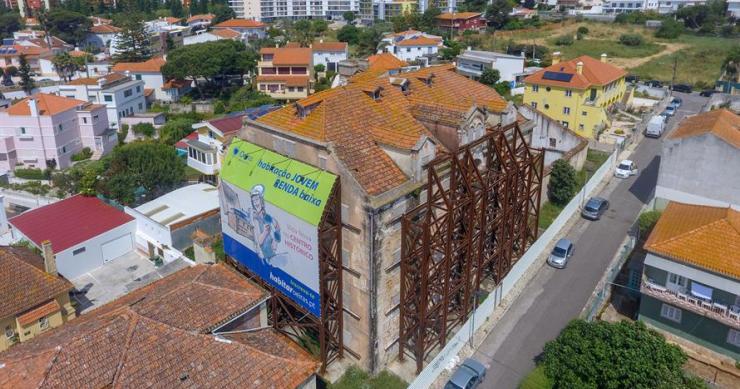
<point x="300" y="189"/>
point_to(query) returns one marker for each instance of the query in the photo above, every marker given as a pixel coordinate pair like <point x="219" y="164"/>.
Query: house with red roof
<point x="84" y="233"/>
<point x="150" y="71"/>
<point x="251" y="29"/>
<point x="411" y="45"/>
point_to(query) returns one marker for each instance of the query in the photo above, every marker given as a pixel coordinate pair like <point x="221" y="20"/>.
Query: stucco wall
<point x="72" y="266"/>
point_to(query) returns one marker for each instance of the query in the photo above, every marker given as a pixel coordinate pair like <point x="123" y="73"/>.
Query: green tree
<point x="9" y="23"/>
<point x="221" y="13"/>
<point x="349" y="16"/>
<point x="144" y="129"/>
<point x="133" y="42"/>
<point x="176" y="8"/>
<point x="71" y="27"/>
<point x="614" y="355"/>
<point x="669" y="29"/>
<point x="66" y="65"/>
<point x="302" y="32"/>
<point x="319" y="26"/>
<point x="27" y="83"/>
<point x="174" y="130"/>
<point x="473" y="6"/>
<point x="150" y="165"/>
<point x="498" y="13"/>
<point x="490" y="76"/>
<point x="349" y="34"/>
<point x="562" y="184"/>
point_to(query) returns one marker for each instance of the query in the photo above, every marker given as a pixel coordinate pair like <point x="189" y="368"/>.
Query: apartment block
<point x="121" y="94"/>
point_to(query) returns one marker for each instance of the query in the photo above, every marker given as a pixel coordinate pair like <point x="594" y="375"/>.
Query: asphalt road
<point x="554" y="297"/>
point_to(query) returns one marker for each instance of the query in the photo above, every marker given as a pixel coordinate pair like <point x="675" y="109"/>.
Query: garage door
<point x="117" y="247"/>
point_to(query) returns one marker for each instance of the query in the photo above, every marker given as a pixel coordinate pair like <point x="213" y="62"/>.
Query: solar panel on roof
<point x="557" y="76"/>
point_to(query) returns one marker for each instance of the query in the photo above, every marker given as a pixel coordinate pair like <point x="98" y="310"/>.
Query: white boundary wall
<point x="485" y="310"/>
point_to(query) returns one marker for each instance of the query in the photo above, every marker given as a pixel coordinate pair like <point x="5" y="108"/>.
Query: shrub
<point x="647" y="221"/>
<point x="564" y="40"/>
<point x="563" y="183"/>
<point x="631" y="39"/>
<point x="145" y="129"/>
<point x="186" y="100"/>
<point x="30" y="173"/>
<point x="84" y="154"/>
<point x="670" y="29"/>
<point x="583" y="30"/>
<point x="219" y="108"/>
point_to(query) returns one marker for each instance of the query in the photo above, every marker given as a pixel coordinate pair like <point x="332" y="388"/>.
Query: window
<point x="553" y="142"/>
<point x="44" y="323"/>
<point x="548" y="88"/>
<point x="291" y="89"/>
<point x="565" y="124"/>
<point x="733" y="337"/>
<point x="64" y="149"/>
<point x="9" y="332"/>
<point x="84" y="120"/>
<point x="568" y="93"/>
<point x="78" y="251"/>
<point x="580" y="127"/>
<point x="408" y="49"/>
<point x="23" y="130"/>
<point x="535" y="88"/>
<point x="108" y="98"/>
<point x="566" y="111"/>
<point x="138" y="76"/>
<point x="584" y="113"/>
<point x="138" y="89"/>
<point x="60" y="127"/>
<point x="128" y="93"/>
<point x="534" y="104"/>
<point x="670" y="312"/>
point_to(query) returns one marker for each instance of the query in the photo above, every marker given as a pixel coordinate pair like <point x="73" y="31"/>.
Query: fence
<point x="486" y="309"/>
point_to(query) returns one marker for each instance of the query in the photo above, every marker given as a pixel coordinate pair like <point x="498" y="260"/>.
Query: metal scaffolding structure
<point x="479" y="216"/>
<point x="295" y="321"/>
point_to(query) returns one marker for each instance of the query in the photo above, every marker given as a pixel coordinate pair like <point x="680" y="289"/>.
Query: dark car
<point x="594" y="208"/>
<point x="632" y="78"/>
<point x="468" y="376"/>
<point x="676" y="102"/>
<point x="683" y="88"/>
<point x="707" y="93"/>
<point x="654" y="84"/>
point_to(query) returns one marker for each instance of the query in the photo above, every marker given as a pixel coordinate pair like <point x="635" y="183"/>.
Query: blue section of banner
<point x="275" y="276"/>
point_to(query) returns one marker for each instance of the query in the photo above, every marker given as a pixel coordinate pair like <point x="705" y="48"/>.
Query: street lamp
<point x="478" y="294"/>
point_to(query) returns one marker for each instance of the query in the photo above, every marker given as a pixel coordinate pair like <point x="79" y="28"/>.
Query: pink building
<point x="44" y="128"/>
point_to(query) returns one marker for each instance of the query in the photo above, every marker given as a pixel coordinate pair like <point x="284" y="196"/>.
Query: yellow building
<point x="577" y="93"/>
<point x="35" y="298"/>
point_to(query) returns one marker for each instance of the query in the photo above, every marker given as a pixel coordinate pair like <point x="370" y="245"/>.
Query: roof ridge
<point x="135" y="316"/>
<point x="690" y="232"/>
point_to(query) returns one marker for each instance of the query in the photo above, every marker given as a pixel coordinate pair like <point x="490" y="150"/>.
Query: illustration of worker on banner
<point x="266" y="228"/>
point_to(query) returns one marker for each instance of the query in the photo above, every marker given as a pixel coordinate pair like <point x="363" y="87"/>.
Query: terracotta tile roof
<point x="23" y="282"/>
<point x="31" y="51"/>
<point x="595" y="72"/>
<point x="706" y="237"/>
<point x="284" y="79"/>
<point x="721" y="123"/>
<point x="240" y="23"/>
<point x="357" y="124"/>
<point x="47" y="105"/>
<point x="78" y="53"/>
<point x="226" y="33"/>
<point x="104" y="29"/>
<point x="385" y="62"/>
<point x="107" y="79"/>
<point x="125" y="344"/>
<point x="459" y="15"/>
<point x="75" y="220"/>
<point x="419" y="41"/>
<point x="37" y="313"/>
<point x="153" y="65"/>
<point x="171" y="20"/>
<point x="176" y="84"/>
<point x="289" y="55"/>
<point x="208" y="17"/>
<point x="329" y="46"/>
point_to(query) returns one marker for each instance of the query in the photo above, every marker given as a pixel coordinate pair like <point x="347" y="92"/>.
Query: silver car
<point x="468" y="376"/>
<point x="560" y="253"/>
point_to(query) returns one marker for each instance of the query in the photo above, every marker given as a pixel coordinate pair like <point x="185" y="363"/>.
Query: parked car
<point x="707" y="93"/>
<point x="468" y="376"/>
<point x="632" y="78"/>
<point x="669" y="111"/>
<point x="655" y="126"/>
<point x="594" y="208"/>
<point x="654" y="84"/>
<point x="560" y="253"/>
<point x="676" y="102"/>
<point x="683" y="88"/>
<point x="625" y="169"/>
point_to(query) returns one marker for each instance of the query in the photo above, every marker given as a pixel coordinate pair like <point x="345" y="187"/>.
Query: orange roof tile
<point x="37" y="313"/>
<point x="201" y="17"/>
<point x="226" y="33"/>
<point x="594" y="72"/>
<point x="329" y="46"/>
<point x="78" y="53"/>
<point x="240" y="23"/>
<point x="419" y="41"/>
<point x="104" y="29"/>
<point x="171" y="20"/>
<point x="702" y="236"/>
<point x="289" y="55"/>
<point x="459" y="15"/>
<point x="47" y="105"/>
<point x="153" y="65"/>
<point x="30" y="51"/>
<point x="385" y="61"/>
<point x="23" y="282"/>
<point x="107" y="79"/>
<point x="721" y="123"/>
<point x="176" y="84"/>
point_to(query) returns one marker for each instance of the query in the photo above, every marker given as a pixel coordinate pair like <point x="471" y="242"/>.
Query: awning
<point x="701" y="291"/>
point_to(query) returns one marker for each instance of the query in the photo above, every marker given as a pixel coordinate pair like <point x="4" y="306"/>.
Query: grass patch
<point x="355" y="377"/>
<point x="548" y="213"/>
<point x="536" y="379"/>
<point x="699" y="64"/>
<point x="190" y="253"/>
<point x="594" y="160"/>
<point x="595" y="47"/>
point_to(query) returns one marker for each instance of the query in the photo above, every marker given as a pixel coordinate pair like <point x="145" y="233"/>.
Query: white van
<point x="655" y="126"/>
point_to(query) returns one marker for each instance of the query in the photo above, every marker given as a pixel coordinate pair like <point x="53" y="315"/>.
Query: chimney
<point x="33" y="107"/>
<point x="603" y="57"/>
<point x="579" y="67"/>
<point x="556" y="57"/>
<point x="50" y="263"/>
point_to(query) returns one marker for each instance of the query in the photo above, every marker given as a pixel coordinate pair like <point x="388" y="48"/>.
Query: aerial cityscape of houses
<point x="370" y="193"/>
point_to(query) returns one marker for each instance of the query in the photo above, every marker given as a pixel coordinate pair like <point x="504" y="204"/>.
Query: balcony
<point x="729" y="316"/>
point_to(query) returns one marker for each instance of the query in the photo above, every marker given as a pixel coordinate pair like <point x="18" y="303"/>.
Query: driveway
<point x="554" y="297"/>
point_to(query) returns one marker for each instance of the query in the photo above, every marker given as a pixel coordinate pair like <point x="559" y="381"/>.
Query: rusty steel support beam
<point x="473" y="227"/>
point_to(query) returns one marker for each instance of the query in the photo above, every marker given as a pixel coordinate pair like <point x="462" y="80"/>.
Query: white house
<point x="150" y="72"/>
<point x="122" y="95"/>
<point x="168" y="222"/>
<point x="205" y="152"/>
<point x="200" y="21"/>
<point x="329" y="54"/>
<point x="100" y="36"/>
<point x="84" y="232"/>
<point x="213" y="35"/>
<point x="471" y="63"/>
<point x="411" y="45"/>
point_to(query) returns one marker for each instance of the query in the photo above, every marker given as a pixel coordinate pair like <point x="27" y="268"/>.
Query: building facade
<point x="285" y="73"/>
<point x="271" y="10"/>
<point x="578" y="93"/>
<point x="249" y="29"/>
<point x="122" y="94"/>
<point x="205" y="152"/>
<point x="472" y="63"/>
<point x="691" y="278"/>
<point x="150" y="72"/>
<point x="461" y="21"/>
<point x="329" y="54"/>
<point x="411" y="45"/>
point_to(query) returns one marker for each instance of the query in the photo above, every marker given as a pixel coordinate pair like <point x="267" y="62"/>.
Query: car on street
<point x="676" y="102"/>
<point x="655" y="126"/>
<point x="594" y="208"/>
<point x="684" y="88"/>
<point x="654" y="84"/>
<point x="625" y="169"/>
<point x="632" y="78"/>
<point x="560" y="253"/>
<point x="669" y="111"/>
<point x="468" y="376"/>
<point x="707" y="93"/>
